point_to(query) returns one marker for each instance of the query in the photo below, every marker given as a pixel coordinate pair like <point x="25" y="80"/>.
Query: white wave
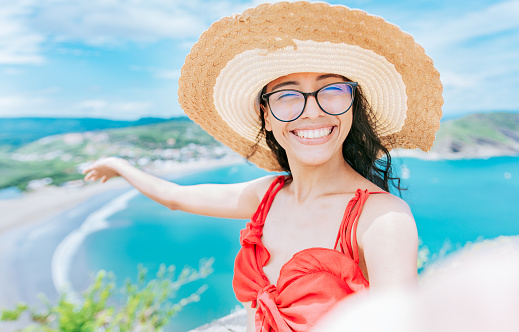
<point x="406" y="172"/>
<point x="67" y="249"/>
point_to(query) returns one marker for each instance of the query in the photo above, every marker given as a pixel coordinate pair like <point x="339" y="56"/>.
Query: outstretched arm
<point x="238" y="200"/>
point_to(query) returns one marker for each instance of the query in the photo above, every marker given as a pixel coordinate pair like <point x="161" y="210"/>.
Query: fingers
<point x="91" y="176"/>
<point x="99" y="170"/>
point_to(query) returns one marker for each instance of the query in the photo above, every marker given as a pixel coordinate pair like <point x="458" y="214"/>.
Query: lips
<point x="313" y="133"/>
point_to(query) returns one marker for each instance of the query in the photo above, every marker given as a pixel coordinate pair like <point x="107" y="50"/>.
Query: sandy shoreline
<point x="26" y="257"/>
<point x="36" y="206"/>
<point x="42" y="204"/>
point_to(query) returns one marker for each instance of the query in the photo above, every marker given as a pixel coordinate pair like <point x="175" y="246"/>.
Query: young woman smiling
<point x="322" y="93"/>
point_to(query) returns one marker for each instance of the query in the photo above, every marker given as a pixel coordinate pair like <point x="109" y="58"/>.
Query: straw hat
<point x="238" y="55"/>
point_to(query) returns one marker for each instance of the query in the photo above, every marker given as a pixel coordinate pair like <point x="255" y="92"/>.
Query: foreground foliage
<point x="139" y="306"/>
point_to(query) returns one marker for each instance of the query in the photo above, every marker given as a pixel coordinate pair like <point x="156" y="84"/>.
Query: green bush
<point x="140" y="306"/>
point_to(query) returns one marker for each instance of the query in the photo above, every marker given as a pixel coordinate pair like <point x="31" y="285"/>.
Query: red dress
<point x="309" y="284"/>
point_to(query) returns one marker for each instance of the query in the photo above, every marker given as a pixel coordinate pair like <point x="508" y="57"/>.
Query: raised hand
<point x="104" y="169"/>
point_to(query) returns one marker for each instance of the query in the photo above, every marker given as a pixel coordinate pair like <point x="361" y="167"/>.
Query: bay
<point x="453" y="202"/>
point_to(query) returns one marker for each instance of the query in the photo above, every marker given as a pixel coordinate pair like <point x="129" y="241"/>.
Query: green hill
<point x="59" y="158"/>
<point x="15" y="132"/>
<point x="479" y="135"/>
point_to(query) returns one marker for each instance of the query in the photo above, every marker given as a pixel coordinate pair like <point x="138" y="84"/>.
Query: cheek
<point x="276" y="128"/>
<point x="346" y="121"/>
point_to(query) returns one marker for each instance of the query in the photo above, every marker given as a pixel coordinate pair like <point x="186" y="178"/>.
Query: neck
<point x="311" y="181"/>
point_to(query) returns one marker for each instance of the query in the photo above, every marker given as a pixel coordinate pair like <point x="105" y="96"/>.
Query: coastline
<point x="88" y="207"/>
<point x="50" y="201"/>
<point x="54" y="214"/>
<point x="41" y="204"/>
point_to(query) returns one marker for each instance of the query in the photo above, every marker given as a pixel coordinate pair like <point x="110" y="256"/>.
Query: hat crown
<point x="238" y="55"/>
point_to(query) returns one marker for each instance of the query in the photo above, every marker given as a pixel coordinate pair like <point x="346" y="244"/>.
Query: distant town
<point x="35" y="153"/>
<point x="59" y="159"/>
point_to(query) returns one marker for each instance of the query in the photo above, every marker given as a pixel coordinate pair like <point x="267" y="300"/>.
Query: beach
<point x="450" y="208"/>
<point x="26" y="261"/>
<point x="36" y="206"/>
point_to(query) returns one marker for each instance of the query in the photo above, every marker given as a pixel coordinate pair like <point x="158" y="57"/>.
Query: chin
<point x="311" y="159"/>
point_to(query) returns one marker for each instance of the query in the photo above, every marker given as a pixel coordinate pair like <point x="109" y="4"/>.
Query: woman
<point x="320" y="92"/>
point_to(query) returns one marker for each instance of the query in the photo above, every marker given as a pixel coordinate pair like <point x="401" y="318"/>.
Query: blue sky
<point x="121" y="59"/>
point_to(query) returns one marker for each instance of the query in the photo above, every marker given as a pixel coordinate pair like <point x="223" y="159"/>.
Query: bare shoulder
<point x="386" y="216"/>
<point x="258" y="187"/>
<point x="388" y="241"/>
<point x="384" y="203"/>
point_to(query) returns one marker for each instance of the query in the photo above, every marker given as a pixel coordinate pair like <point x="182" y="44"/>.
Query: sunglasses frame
<point x="266" y="96"/>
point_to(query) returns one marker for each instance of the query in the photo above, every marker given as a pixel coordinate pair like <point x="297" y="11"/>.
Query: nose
<point x="312" y="109"/>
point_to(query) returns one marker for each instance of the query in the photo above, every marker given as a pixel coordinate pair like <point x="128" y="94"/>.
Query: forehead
<point x="298" y="78"/>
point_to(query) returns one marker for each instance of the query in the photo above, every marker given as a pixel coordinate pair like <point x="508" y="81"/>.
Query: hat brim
<point x="237" y="56"/>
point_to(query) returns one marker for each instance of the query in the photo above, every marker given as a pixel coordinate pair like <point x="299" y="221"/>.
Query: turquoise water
<point x="453" y="202"/>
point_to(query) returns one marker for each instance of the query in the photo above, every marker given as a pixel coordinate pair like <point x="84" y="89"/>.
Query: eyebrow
<point x="322" y="77"/>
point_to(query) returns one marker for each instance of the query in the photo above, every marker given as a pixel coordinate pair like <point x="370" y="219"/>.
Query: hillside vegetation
<point x="479" y="135"/>
<point x="15" y="132"/>
<point x="59" y="158"/>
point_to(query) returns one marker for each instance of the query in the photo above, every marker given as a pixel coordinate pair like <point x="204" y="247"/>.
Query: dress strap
<point x="261" y="213"/>
<point x="347" y="236"/>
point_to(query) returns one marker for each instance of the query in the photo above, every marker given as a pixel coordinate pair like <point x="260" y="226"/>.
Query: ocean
<point x="453" y="202"/>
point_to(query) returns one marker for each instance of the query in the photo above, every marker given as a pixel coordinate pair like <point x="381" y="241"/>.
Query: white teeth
<point x="322" y="132"/>
<point x="318" y="133"/>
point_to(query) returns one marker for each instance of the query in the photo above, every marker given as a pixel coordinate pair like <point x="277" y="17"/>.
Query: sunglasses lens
<point x="336" y="98"/>
<point x="287" y="105"/>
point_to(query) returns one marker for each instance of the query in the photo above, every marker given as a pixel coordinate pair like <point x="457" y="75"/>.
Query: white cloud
<point x="488" y="89"/>
<point x="479" y="45"/>
<point x="454" y="80"/>
<point x="104" y="108"/>
<point x="25" y="25"/>
<point x="95" y="105"/>
<point x="131" y="106"/>
<point x="10" y="102"/>
<point x="13" y="102"/>
<point x="101" y="22"/>
<point x="474" y="52"/>
<point x="495" y="19"/>
<point x="17" y="105"/>
<point x="20" y="106"/>
<point x="18" y="43"/>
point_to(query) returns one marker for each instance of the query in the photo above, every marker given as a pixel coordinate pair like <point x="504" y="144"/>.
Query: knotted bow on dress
<point x="309" y="284"/>
<point x="268" y="311"/>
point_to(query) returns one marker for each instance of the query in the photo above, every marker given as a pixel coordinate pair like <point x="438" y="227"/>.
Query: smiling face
<point x="315" y="137"/>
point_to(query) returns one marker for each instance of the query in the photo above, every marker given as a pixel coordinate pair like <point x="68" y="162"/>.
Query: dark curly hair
<point x="361" y="148"/>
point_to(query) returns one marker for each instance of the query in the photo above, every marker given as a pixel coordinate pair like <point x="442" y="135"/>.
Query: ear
<point x="266" y="116"/>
